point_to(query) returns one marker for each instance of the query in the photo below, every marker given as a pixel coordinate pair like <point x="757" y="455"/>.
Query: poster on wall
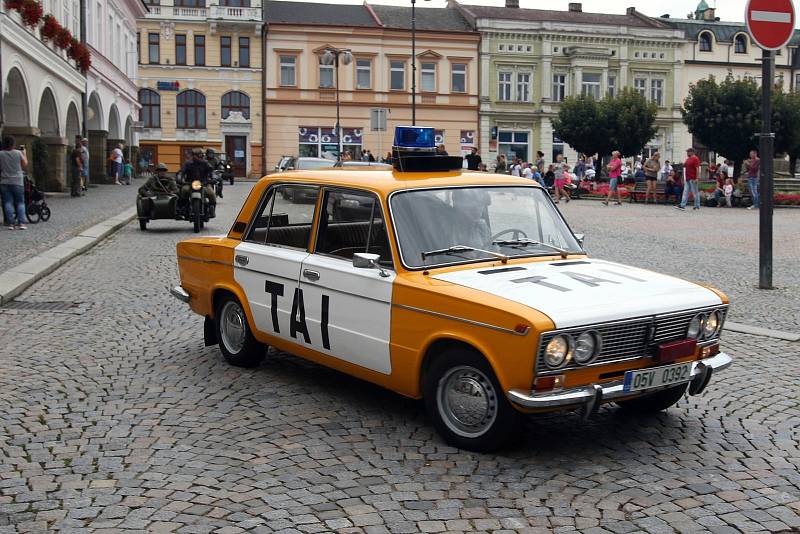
<point x="467" y="141"/>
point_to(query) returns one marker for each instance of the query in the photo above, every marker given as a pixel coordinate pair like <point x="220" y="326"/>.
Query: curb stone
<point x="17" y="279"/>
<point x="759" y="331"/>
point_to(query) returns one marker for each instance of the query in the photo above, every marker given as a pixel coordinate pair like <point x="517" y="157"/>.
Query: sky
<point x="728" y="10"/>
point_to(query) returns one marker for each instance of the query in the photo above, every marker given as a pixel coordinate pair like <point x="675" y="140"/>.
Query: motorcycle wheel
<point x="32" y="211"/>
<point x="44" y="212"/>
<point x="142" y="225"/>
<point x="231" y="180"/>
<point x="197" y="217"/>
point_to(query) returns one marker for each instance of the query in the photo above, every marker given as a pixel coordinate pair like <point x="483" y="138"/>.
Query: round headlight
<point x="712" y="324"/>
<point x="196" y="185"/>
<point x="696" y="326"/>
<point x="587" y="346"/>
<point x="557" y="351"/>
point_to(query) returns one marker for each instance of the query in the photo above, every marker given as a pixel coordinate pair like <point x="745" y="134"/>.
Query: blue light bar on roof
<point x="414" y="137"/>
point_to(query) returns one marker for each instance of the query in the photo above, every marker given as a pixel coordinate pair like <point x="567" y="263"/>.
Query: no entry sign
<point x="770" y="22"/>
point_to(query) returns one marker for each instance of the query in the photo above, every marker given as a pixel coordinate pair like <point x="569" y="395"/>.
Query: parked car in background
<point x="293" y="163"/>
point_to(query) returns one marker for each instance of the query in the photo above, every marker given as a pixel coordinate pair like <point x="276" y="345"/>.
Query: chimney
<point x="512" y="3"/>
<point x="631" y="11"/>
<point x="575" y="7"/>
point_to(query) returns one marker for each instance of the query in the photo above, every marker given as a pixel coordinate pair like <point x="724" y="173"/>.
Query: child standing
<point x="728" y="190"/>
<point x="127" y="172"/>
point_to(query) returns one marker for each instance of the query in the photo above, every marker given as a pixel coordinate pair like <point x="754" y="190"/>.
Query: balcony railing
<point x="203" y="13"/>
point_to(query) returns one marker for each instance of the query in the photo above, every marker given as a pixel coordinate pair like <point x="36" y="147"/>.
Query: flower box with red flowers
<point x="50" y="27"/>
<point x="31" y="13"/>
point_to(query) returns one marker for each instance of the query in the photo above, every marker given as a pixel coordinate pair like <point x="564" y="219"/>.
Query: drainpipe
<point x="2" y="78"/>
<point x="264" y="100"/>
<point x="84" y="95"/>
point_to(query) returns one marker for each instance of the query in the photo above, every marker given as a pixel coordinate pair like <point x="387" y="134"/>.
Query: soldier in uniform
<point x="198" y="169"/>
<point x="159" y="183"/>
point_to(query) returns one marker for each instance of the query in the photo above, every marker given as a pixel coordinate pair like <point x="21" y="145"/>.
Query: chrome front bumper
<point x="590" y="397"/>
<point x="179" y="293"/>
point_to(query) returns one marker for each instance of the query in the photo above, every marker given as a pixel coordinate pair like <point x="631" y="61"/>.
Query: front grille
<point x="624" y="340"/>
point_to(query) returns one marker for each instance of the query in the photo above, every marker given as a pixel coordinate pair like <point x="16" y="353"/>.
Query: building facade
<point x="301" y="92"/>
<point x="721" y="49"/>
<point x="532" y="60"/>
<point x="200" y="82"/>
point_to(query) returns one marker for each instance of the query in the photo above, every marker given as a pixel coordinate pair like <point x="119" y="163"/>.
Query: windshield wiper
<point x="515" y="243"/>
<point x="463" y="248"/>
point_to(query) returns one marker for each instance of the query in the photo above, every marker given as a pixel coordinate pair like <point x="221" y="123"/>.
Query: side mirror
<point x="580" y="238"/>
<point x="362" y="260"/>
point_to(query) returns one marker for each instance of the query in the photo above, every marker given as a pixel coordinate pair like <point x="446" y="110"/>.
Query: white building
<point x="43" y="90"/>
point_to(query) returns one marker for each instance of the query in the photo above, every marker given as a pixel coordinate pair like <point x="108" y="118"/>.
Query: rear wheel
<point x="236" y="342"/>
<point x="44" y="211"/>
<point x="466" y="403"/>
<point x="32" y="213"/>
<point x="655" y="402"/>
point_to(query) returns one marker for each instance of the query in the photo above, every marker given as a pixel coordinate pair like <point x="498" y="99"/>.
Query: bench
<point x="640" y="189"/>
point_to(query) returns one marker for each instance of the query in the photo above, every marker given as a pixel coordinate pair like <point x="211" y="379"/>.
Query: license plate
<point x="657" y="377"/>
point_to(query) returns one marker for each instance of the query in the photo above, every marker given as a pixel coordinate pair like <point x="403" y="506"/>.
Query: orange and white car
<point x="466" y="289"/>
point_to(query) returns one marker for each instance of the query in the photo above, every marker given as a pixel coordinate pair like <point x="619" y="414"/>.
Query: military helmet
<point x="161" y="167"/>
<point x="197" y="151"/>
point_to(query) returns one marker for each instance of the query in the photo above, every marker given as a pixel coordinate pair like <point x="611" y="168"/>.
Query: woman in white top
<point x="116" y="164"/>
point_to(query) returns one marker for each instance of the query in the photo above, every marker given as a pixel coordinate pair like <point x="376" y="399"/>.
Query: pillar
<point x="58" y="170"/>
<point x="97" y="156"/>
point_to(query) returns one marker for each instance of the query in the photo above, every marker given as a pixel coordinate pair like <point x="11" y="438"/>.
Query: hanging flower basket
<point x="84" y="61"/>
<point x="31" y="13"/>
<point x="50" y="27"/>
<point x="15" y="5"/>
<point x="63" y="38"/>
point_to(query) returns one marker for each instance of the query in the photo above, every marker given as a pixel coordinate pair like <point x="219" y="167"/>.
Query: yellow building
<point x="301" y="91"/>
<point x="200" y="81"/>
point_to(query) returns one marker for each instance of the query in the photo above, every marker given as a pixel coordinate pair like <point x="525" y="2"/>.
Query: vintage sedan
<point x="467" y="290"/>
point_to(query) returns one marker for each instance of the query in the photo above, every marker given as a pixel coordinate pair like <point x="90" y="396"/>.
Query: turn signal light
<point x="521" y="328"/>
<point x="548" y="383"/>
<point x="711" y="350"/>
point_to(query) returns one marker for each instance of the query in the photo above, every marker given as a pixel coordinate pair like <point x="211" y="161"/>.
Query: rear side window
<point x="286" y="216"/>
<point x="351" y="222"/>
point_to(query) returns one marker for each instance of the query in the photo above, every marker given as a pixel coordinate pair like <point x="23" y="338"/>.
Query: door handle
<point x="311" y="275"/>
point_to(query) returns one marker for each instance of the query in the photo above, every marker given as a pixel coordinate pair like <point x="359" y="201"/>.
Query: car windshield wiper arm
<point x="526" y="242"/>
<point x="463" y="248"/>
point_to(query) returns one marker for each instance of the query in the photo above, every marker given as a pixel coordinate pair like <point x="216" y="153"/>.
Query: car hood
<point x="586" y="291"/>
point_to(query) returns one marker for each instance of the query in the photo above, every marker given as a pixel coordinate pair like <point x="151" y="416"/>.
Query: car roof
<point x="387" y="181"/>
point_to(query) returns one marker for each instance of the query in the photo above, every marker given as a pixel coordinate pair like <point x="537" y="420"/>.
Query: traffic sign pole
<point x="767" y="170"/>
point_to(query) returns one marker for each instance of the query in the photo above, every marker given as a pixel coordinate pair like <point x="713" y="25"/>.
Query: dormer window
<point x="706" y="42"/>
<point x="740" y="44"/>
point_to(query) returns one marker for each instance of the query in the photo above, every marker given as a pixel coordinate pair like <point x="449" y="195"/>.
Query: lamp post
<point x="414" y="62"/>
<point x="331" y="57"/>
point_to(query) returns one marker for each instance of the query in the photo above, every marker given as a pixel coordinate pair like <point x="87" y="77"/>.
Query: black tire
<point x="250" y="353"/>
<point x="231" y="180"/>
<point x="142" y="225"/>
<point x="654" y="402"/>
<point x="44" y="212"/>
<point x="32" y="213"/>
<point x="197" y="217"/>
<point x="495" y="421"/>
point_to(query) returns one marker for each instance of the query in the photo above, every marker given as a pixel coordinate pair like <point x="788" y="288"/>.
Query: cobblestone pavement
<point x="70" y="216"/>
<point x="718" y="246"/>
<point x="114" y="417"/>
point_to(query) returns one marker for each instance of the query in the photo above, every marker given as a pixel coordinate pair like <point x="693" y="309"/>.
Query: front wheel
<point x="231" y="179"/>
<point x="197" y="217"/>
<point x="32" y="213"/>
<point x="142" y="225"/>
<point x="466" y="403"/>
<point x="236" y="342"/>
<point x="654" y="402"/>
<point x="44" y="211"/>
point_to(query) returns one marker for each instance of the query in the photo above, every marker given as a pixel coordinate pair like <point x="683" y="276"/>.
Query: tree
<point x="624" y="122"/>
<point x="786" y="125"/>
<point x="724" y="116"/>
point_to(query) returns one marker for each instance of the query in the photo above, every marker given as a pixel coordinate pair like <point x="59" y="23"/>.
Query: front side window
<point x="590" y="85"/>
<point x="397" y="75"/>
<point x="480" y="222"/>
<point x="524" y="86"/>
<point x="428" y="77"/>
<point x="286" y="217"/>
<point x="657" y="92"/>
<point x="180" y="49"/>
<point x="235" y="101"/>
<point x="559" y="87"/>
<point x="244" y="51"/>
<point x="363" y="73"/>
<point x="504" y="86"/>
<point x="153" y="48"/>
<point x="288" y="72"/>
<point x="459" y="78"/>
<point x="325" y="75"/>
<point x="199" y="50"/>
<point x="191" y="112"/>
<point x="353" y="222"/>
<point x="151" y="108"/>
<point x="225" y="51"/>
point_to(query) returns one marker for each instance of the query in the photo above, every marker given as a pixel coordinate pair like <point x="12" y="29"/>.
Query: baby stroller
<point x="35" y="206"/>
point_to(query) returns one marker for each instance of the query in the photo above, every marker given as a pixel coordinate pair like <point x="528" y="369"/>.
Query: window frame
<point x="596" y="88"/>
<point x="705" y="41"/>
<point x="178" y="47"/>
<point x="147" y="111"/>
<point x="643" y="89"/>
<point x="660" y="91"/>
<point x="360" y="69"/>
<point x="244" y="44"/>
<point x="560" y="87"/>
<point x="281" y="66"/>
<point x="392" y="70"/>
<point x="741" y="38"/>
<point x="528" y="86"/>
<point x="329" y="69"/>
<point x="501" y="83"/>
<point x="229" y="108"/>
<point x="182" y="111"/>
<point x="463" y="74"/>
<point x="200" y="44"/>
<point x="223" y="49"/>
<point x="422" y="73"/>
<point x="150" y="45"/>
<point x="269" y="196"/>
<point x="611" y="85"/>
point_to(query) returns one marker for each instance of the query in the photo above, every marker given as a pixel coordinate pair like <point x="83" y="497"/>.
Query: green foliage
<point x="624" y="122"/>
<point x="41" y="166"/>
<point x="724" y="116"/>
<point x="786" y="122"/>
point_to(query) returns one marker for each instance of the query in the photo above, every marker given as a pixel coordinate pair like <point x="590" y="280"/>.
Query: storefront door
<point x="236" y="150"/>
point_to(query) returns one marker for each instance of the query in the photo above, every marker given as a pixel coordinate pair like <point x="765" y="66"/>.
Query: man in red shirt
<point x="691" y="170"/>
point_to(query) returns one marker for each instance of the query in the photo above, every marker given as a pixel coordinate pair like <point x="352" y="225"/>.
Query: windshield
<point x="468" y="224"/>
<point x="308" y="164"/>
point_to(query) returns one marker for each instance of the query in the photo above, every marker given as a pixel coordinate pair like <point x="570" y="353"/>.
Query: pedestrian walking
<point x="12" y="184"/>
<point x="116" y="163"/>
<point x="651" y="169"/>
<point x="753" y="173"/>
<point x="559" y="171"/>
<point x="614" y="173"/>
<point x="501" y="167"/>
<point x="84" y="145"/>
<point x="127" y="172"/>
<point x="75" y="170"/>
<point x="691" y="168"/>
<point x="473" y="160"/>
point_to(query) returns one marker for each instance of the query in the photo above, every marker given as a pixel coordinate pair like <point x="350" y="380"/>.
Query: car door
<point x="348" y="309"/>
<point x="267" y="263"/>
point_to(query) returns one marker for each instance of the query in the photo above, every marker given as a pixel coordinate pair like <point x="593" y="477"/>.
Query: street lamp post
<point x="331" y="57"/>
<point x="414" y="62"/>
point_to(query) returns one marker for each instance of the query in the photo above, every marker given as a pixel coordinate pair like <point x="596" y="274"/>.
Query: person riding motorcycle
<point x="159" y="184"/>
<point x="198" y="169"/>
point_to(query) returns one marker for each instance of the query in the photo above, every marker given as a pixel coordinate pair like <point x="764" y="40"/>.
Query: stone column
<point x="57" y="165"/>
<point x="97" y="157"/>
<point x="578" y="80"/>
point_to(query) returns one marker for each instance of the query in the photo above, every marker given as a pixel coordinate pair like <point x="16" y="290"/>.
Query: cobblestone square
<point x="115" y="418"/>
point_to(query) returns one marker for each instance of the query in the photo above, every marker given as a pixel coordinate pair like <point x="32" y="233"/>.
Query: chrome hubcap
<point x="467" y="401"/>
<point x="233" y="327"/>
